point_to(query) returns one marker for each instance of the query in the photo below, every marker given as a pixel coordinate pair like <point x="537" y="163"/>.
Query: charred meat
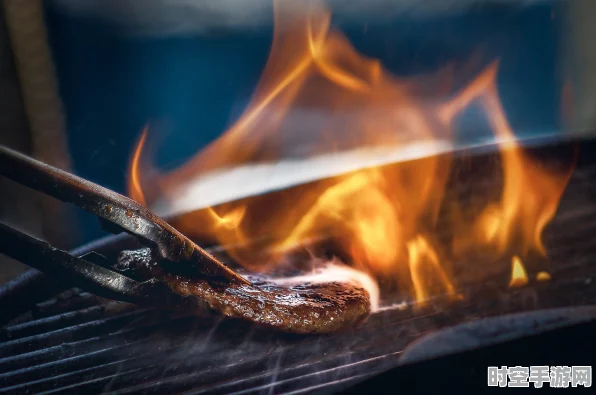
<point x="303" y="309"/>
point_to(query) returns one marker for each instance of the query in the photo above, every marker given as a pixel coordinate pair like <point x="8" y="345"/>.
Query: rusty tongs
<point x="117" y="213"/>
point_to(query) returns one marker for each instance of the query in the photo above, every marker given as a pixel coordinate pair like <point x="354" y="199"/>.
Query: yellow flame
<point x="543" y="276"/>
<point x="381" y="216"/>
<point x="425" y="264"/>
<point x="519" y="277"/>
<point x="370" y="219"/>
<point x="530" y="195"/>
<point x="135" y="190"/>
<point x="229" y="225"/>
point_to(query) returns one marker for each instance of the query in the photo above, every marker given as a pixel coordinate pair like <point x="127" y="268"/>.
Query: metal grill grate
<point x="79" y="343"/>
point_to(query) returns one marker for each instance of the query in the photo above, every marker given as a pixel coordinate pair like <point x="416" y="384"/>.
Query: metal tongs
<point x="117" y="213"/>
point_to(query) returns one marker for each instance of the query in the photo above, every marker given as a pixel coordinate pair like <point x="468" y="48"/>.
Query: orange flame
<point x="365" y="217"/>
<point x="422" y="256"/>
<point x="530" y="194"/>
<point x="135" y="191"/>
<point x="519" y="277"/>
<point x="380" y="216"/>
<point x="543" y="276"/>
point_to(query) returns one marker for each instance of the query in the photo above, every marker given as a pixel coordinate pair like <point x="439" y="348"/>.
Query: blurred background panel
<point x="17" y="207"/>
<point x="190" y="66"/>
<point x="579" y="58"/>
<point x="31" y="121"/>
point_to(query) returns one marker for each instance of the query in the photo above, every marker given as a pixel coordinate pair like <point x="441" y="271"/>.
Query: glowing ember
<point x="519" y="277"/>
<point x="318" y="94"/>
<point x="543" y="276"/>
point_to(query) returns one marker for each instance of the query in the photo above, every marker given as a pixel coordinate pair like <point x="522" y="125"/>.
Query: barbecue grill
<point x="77" y="342"/>
<point x="82" y="326"/>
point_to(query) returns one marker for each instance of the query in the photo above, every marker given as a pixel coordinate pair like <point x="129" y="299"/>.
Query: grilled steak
<point x="303" y="309"/>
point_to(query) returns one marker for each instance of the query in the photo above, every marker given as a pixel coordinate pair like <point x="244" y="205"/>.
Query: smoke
<point x="183" y="17"/>
<point x="222" y="186"/>
<point x="335" y="271"/>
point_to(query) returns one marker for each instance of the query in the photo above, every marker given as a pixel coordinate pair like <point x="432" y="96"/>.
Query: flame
<point x="422" y="256"/>
<point x="530" y="195"/>
<point x="543" y="276"/>
<point x="365" y="217"/>
<point x="381" y="216"/>
<point x="519" y="277"/>
<point x="135" y="191"/>
<point x="228" y="225"/>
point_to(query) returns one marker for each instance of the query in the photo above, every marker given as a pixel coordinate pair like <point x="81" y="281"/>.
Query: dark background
<point x="112" y="83"/>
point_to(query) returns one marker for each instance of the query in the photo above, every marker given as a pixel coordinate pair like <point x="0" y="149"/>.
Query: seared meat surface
<point x="303" y="309"/>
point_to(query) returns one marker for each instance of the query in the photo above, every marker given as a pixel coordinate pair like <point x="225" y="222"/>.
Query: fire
<point x="422" y="256"/>
<point x="530" y="195"/>
<point x="519" y="277"/>
<point x="543" y="276"/>
<point x="135" y="189"/>
<point x="365" y="218"/>
<point x="381" y="216"/>
<point x="228" y="225"/>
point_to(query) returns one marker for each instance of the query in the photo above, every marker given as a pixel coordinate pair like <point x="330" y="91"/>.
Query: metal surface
<point x="69" y="345"/>
<point x="118" y="212"/>
<point x="568" y="345"/>
<point x="92" y="277"/>
<point x="265" y="178"/>
<point x="33" y="286"/>
<point x="494" y="330"/>
<point x="76" y="343"/>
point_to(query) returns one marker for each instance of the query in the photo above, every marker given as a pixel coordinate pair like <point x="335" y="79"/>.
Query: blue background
<point x="112" y="84"/>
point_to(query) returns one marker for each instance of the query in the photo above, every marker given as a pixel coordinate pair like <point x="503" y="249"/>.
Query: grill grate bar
<point x="92" y="344"/>
<point x="100" y="384"/>
<point x="332" y="384"/>
<point x="69" y="334"/>
<point x="61" y="321"/>
<point x="198" y="361"/>
<point x="75" y="363"/>
<point x="279" y="384"/>
<point x="66" y="380"/>
<point x="70" y="345"/>
<point x="378" y="321"/>
<point x="257" y="372"/>
<point x="378" y="324"/>
<point x="182" y="326"/>
<point x="66" y="302"/>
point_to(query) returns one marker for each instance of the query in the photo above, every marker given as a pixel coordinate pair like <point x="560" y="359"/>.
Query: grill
<point x="76" y="342"/>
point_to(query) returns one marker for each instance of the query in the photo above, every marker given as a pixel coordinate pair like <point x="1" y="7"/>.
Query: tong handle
<point x="119" y="210"/>
<point x="94" y="278"/>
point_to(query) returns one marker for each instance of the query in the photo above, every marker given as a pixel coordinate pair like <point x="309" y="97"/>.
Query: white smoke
<point x="335" y="271"/>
